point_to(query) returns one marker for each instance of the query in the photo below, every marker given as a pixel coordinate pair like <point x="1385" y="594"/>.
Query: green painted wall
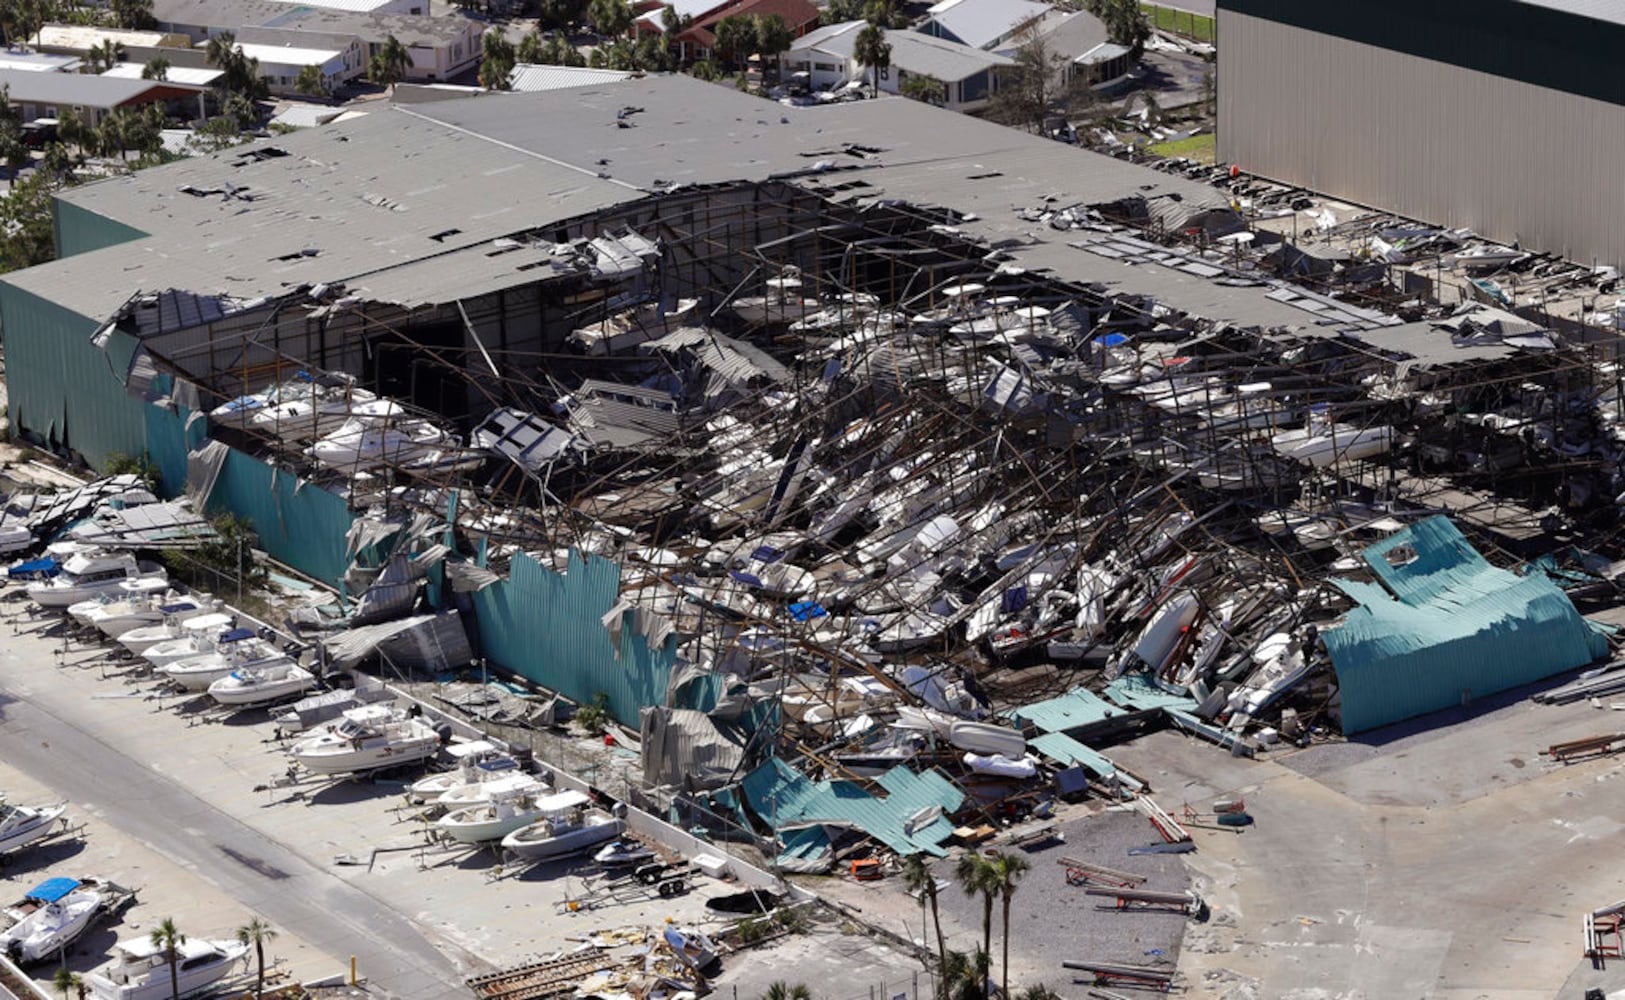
<point x="79" y="231"/>
<point x="63" y="389"/>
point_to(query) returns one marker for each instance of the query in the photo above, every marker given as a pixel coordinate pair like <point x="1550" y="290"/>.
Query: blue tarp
<point x="34" y="568"/>
<point x="1445" y="627"/>
<point x="52" y="889"/>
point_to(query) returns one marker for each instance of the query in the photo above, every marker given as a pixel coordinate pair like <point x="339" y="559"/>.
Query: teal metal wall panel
<point x="302" y="525"/>
<point x="63" y="389"/>
<point x="549" y="627"/>
<point x="1449" y="627"/>
<point x="80" y="231"/>
<point x="169" y="440"/>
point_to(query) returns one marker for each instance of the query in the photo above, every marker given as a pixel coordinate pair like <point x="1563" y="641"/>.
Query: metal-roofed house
<point x="982" y="24"/>
<point x="1441" y="626"/>
<point x="282" y="57"/>
<point x="828" y="57"/>
<point x="700" y="38"/>
<point x="48" y="95"/>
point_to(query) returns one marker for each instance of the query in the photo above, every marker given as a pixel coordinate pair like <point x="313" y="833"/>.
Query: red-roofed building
<point x="699" y="38"/>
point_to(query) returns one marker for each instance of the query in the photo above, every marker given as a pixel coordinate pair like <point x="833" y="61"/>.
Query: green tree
<point x="1038" y="991"/>
<point x="706" y="69"/>
<point x="841" y="11"/>
<point x="221" y="132"/>
<point x="310" y="82"/>
<point x="610" y="18"/>
<point x="133" y="14"/>
<point x="560" y="13"/>
<point x="919" y="880"/>
<point x="1125" y="22"/>
<point x="496" y="61"/>
<point x="925" y="88"/>
<point x="391" y="63"/>
<point x="873" y="52"/>
<point x="557" y="51"/>
<point x="965" y="977"/>
<point x="25" y="222"/>
<point x="104" y="56"/>
<point x="1004" y="874"/>
<point x="66" y="981"/>
<point x="974" y="873"/>
<point x="884" y="14"/>
<point x="259" y="934"/>
<point x="773" y="38"/>
<point x="1036" y="87"/>
<point x="168" y="939"/>
<point x="156" y="69"/>
<point x="12" y="150"/>
<point x="781" y="990"/>
<point x="529" y="50"/>
<point x="736" y="38"/>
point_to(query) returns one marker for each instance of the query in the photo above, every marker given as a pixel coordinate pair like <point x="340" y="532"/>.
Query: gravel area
<point x="1051" y="921"/>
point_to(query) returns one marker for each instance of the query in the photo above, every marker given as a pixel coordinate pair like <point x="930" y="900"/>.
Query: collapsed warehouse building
<point x="874" y="475"/>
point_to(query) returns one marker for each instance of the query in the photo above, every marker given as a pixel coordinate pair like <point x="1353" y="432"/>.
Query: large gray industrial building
<point x="1506" y="116"/>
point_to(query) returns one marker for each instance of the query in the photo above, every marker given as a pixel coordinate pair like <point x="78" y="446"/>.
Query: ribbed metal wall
<point x="81" y="231"/>
<point x="1424" y="139"/>
<point x="549" y="627"/>
<point x="62" y="388"/>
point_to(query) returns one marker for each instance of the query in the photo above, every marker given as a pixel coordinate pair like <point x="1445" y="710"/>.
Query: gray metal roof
<point x="233" y="15"/>
<point x="1599" y="10"/>
<point x="532" y="79"/>
<point x="911" y="51"/>
<point x="32" y="87"/>
<point x="982" y="22"/>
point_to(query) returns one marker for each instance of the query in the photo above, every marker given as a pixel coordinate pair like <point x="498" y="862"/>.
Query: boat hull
<point x="594" y="832"/>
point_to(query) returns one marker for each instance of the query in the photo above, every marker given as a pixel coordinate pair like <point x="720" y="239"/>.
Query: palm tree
<point x="66" y="980"/>
<point x="975" y="875"/>
<point x="496" y="61"/>
<point x="610" y="18"/>
<point x="1004" y="871"/>
<point x="155" y="69"/>
<point x="390" y="63"/>
<point x="964" y="977"/>
<point x="310" y="82"/>
<point x="917" y="878"/>
<point x="257" y="933"/>
<point x="780" y="990"/>
<point x="168" y="939"/>
<point x="872" y="51"/>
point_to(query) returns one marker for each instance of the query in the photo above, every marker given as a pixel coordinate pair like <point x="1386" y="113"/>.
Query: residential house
<point x="1090" y="55"/>
<point x="701" y="37"/>
<point x="280" y="65"/>
<point x="49" y="95"/>
<point x="828" y="58"/>
<point x="994" y="25"/>
<point x="38" y="62"/>
<point x="441" y="46"/>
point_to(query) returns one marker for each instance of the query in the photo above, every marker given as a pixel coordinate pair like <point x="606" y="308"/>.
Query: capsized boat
<point x="88" y="575"/>
<point x="366" y="739"/>
<point x="515" y="803"/>
<point x="23" y="825"/>
<point x="140" y="969"/>
<point x="53" y="915"/>
<point x="568" y="824"/>
<point x="692" y="947"/>
<point x="272" y="679"/>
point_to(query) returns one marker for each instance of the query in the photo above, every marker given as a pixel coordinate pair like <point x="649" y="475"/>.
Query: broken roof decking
<point x="786" y="798"/>
<point x="1444" y="626"/>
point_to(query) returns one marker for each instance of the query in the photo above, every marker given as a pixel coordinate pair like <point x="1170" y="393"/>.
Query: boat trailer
<point x="1110" y="973"/>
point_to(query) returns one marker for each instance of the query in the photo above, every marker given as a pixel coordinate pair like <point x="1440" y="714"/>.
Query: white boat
<point x="476" y="760"/>
<point x="782" y="301"/>
<point x="23" y="825"/>
<point x="1320" y="443"/>
<point x="140" y="969"/>
<point x="986" y="738"/>
<point x="568" y="824"/>
<point x="53" y="915"/>
<point x="118" y="617"/>
<point x="515" y="803"/>
<point x="309" y="411"/>
<point x="692" y="947"/>
<point x="379" y="434"/>
<point x="88" y="575"/>
<point x="175" y="614"/>
<point x="366" y="739"/>
<point x="129" y="594"/>
<point x="1489" y="255"/>
<point x="481" y="789"/>
<point x="1162" y="635"/>
<point x="319" y="709"/>
<point x="193" y="637"/>
<point x="623" y="853"/>
<point x="240" y="411"/>
<point x="270" y="680"/>
<point x="1282" y="663"/>
<point x="233" y="650"/>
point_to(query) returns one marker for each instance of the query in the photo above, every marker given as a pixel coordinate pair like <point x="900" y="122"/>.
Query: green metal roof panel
<point x="1449" y="628"/>
<point x="910" y="819"/>
<point x="1137" y="691"/>
<point x="1061" y="747"/>
<point x="1078" y="707"/>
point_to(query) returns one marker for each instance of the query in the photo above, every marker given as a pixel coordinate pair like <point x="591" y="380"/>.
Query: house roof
<point x="288" y="55"/>
<point x="187" y="76"/>
<point x="979" y="23"/>
<point x="69" y="89"/>
<point x="1073" y="35"/>
<point x="37" y="62"/>
<point x="796" y="13"/>
<point x="695" y="9"/>
<point x="530" y="79"/>
<point x="82" y="37"/>
<point x="409" y="29"/>
<point x="911" y="51"/>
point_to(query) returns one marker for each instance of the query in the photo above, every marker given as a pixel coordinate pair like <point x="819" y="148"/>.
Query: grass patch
<point x="1180" y="22"/>
<point x="1202" y="148"/>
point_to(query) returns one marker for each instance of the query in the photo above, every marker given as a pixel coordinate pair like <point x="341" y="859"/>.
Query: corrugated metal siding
<point x="1427" y="140"/>
<point x="1461" y="629"/>
<point x="80" y="231"/>
<point x="61" y="387"/>
<point x="168" y="441"/>
<point x="303" y="526"/>
<point x="549" y="627"/>
<point x="781" y="795"/>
